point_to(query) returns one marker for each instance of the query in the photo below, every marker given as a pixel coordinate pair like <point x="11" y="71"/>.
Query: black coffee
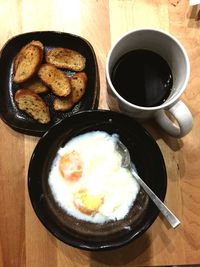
<point x="143" y="78"/>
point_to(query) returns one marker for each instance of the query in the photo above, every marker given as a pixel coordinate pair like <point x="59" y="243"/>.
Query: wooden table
<point x="23" y="239"/>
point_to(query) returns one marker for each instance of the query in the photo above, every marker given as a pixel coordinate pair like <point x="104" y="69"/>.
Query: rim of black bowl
<point x="83" y="121"/>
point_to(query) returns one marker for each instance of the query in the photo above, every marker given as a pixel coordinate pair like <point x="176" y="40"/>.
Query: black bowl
<point x="146" y="156"/>
<point x="18" y="120"/>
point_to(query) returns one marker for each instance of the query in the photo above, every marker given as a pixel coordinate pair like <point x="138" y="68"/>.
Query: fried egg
<point x="87" y="180"/>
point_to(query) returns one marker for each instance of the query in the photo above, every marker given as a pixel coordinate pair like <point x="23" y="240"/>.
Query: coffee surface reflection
<point x="143" y="78"/>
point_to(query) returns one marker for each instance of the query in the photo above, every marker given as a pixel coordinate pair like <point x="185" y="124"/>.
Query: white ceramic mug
<point x="170" y="49"/>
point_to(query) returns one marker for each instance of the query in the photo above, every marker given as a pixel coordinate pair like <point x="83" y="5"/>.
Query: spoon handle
<point x="171" y="218"/>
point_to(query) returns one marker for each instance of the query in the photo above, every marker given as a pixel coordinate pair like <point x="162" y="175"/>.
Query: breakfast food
<point x="36" y="85"/>
<point x="20" y="54"/>
<point x="66" y="58"/>
<point x="56" y="79"/>
<point x="33" y="105"/>
<point x="37" y="43"/>
<point x="87" y="203"/>
<point x="63" y="104"/>
<point x="32" y="73"/>
<point x="27" y="62"/>
<point x="88" y="183"/>
<point x="78" y="86"/>
<point x="71" y="166"/>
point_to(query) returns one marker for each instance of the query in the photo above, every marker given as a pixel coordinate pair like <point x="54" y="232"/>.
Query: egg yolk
<point x="71" y="166"/>
<point x="86" y="202"/>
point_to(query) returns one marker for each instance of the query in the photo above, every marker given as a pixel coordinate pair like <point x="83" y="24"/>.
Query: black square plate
<point x="18" y="120"/>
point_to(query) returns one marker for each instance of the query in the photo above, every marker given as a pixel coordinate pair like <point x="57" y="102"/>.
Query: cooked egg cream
<point x="88" y="182"/>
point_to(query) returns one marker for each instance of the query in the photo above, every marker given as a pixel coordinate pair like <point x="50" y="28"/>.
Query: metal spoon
<point x="126" y="163"/>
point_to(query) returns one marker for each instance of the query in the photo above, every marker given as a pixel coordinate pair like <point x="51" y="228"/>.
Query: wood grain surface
<point x="23" y="239"/>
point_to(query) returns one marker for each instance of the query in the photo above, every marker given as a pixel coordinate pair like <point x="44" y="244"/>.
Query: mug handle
<point x="182" y="115"/>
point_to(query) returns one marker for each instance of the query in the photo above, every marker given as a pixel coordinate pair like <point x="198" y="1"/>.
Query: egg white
<point x="102" y="175"/>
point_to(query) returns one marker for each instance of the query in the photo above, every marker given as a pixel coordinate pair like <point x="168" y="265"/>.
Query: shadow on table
<point x="157" y="133"/>
<point x="123" y="255"/>
<point x="117" y="257"/>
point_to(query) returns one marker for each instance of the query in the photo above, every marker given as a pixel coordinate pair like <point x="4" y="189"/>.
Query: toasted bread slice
<point x="66" y="58"/>
<point x="56" y="79"/>
<point x="33" y="105"/>
<point x="78" y="85"/>
<point x="27" y="63"/>
<point x="36" y="85"/>
<point x="63" y="104"/>
<point x="20" y="54"/>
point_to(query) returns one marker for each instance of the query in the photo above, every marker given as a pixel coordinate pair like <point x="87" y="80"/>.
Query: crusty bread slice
<point x="20" y="54"/>
<point x="66" y="58"/>
<point x="63" y="104"/>
<point x="56" y="79"/>
<point x="78" y="85"/>
<point x="36" y="85"/>
<point x="33" y="105"/>
<point x="27" y="63"/>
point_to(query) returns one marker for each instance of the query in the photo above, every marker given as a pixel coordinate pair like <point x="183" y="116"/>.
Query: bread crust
<point x="66" y="58"/>
<point x="78" y="86"/>
<point x="36" y="85"/>
<point x="32" y="104"/>
<point x="20" y="53"/>
<point x="56" y="79"/>
<point x="37" y="43"/>
<point x="27" y="62"/>
<point x="63" y="104"/>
